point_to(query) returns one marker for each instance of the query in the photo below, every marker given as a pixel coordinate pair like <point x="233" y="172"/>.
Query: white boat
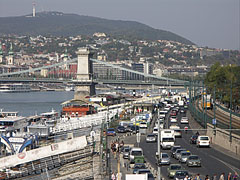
<point x="11" y="122"/>
<point x="16" y="87"/>
<point x="69" y="88"/>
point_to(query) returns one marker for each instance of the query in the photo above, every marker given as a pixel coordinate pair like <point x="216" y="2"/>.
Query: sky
<point x="212" y="23"/>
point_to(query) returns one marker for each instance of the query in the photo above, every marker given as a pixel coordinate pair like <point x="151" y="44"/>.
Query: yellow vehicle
<point x="207" y="101"/>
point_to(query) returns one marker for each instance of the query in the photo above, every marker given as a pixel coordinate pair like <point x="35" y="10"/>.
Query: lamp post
<point x="214" y="109"/>
<point x="159" y="149"/>
<point x="230" y="122"/>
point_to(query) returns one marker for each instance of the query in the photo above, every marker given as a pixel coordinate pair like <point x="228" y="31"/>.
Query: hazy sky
<point x="213" y="23"/>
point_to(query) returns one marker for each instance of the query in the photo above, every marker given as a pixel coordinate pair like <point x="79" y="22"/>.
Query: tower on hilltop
<point x="10" y="56"/>
<point x="34" y="9"/>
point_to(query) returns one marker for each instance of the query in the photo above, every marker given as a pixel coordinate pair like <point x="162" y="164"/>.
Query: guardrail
<point x="228" y="111"/>
<point x="83" y="122"/>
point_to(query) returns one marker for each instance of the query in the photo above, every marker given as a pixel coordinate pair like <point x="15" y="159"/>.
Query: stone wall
<point x="221" y="138"/>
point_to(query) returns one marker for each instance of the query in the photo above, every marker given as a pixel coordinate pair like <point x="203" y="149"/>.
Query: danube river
<point x="34" y="102"/>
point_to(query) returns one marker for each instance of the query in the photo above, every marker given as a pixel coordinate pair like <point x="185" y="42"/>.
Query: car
<point x="181" y="174"/>
<point x="203" y="141"/>
<point x="151" y="138"/>
<point x="143" y="125"/>
<point x="155" y="130"/>
<point x="161" y="124"/>
<point x="177" y="153"/>
<point x="125" y="152"/>
<point x="121" y="129"/>
<point x="193" y="139"/>
<point x="165" y="159"/>
<point x="135" y="129"/>
<point x="167" y="109"/>
<point x="182" y="111"/>
<point x="184" y="120"/>
<point x="193" y="160"/>
<point x="138" y="166"/>
<point x="111" y="132"/>
<point x="172" y="169"/>
<point x="183" y="156"/>
<point x="173" y="119"/>
<point x="146" y="171"/>
<point x="173" y="113"/>
<point x="174" y="148"/>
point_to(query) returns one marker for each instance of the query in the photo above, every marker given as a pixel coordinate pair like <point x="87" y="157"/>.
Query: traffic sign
<point x="147" y="116"/>
<point x="214" y="121"/>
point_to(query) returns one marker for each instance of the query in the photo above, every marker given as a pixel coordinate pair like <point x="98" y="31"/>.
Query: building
<point x="1" y="54"/>
<point x="10" y="59"/>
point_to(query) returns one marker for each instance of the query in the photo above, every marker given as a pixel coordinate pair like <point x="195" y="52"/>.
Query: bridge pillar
<point x="84" y="85"/>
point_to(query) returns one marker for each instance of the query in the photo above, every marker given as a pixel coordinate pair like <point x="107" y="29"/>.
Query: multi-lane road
<point x="213" y="161"/>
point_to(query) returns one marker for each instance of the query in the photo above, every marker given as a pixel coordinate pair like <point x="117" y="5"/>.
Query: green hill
<point x="60" y="24"/>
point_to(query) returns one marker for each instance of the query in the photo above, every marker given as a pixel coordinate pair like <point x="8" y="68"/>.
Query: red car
<point x="173" y="113"/>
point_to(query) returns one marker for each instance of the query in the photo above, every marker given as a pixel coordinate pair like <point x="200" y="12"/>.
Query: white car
<point x="184" y="120"/>
<point x="173" y="119"/>
<point x="167" y="109"/>
<point x="155" y="130"/>
<point x="203" y="141"/>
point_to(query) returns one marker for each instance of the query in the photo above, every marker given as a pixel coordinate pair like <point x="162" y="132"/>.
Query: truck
<point x="136" y="176"/>
<point x="167" y="138"/>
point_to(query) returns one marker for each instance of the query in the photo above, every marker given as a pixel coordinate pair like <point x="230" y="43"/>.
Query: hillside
<point x="60" y="24"/>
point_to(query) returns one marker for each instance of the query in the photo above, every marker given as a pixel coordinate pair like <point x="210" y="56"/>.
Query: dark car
<point x="193" y="139"/>
<point x="180" y="175"/>
<point x="146" y="171"/>
<point x="135" y="129"/>
<point x="121" y="129"/>
<point x="138" y="166"/>
<point x="111" y="132"/>
<point x="173" y="149"/>
<point x="129" y="128"/>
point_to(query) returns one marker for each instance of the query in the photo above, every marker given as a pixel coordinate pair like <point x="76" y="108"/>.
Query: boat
<point x="69" y="88"/>
<point x="10" y="122"/>
<point x="14" y="88"/>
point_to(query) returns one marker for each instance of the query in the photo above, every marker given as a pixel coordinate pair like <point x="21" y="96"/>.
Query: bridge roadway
<point x="97" y="81"/>
<point x="213" y="161"/>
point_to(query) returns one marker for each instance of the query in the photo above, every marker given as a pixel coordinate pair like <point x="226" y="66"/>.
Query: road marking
<point x="234" y="169"/>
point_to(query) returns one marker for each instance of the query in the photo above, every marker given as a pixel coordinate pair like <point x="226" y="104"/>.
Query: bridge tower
<point x="1" y="53"/>
<point x="10" y="60"/>
<point x="84" y="85"/>
<point x="65" y="58"/>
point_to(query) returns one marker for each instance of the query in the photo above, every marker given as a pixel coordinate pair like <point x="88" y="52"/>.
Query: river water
<point x="32" y="103"/>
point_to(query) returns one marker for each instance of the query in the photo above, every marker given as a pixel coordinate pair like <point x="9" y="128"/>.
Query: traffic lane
<point x="232" y="163"/>
<point x="149" y="150"/>
<point x="212" y="161"/>
<point x="210" y="164"/>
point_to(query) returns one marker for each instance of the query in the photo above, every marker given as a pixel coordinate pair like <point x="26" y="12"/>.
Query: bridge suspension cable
<point x="94" y="60"/>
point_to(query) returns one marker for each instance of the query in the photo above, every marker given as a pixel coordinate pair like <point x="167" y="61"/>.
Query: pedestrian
<point x="235" y="177"/>
<point x="119" y="176"/>
<point x="222" y="177"/>
<point x="186" y="177"/>
<point x="113" y="177"/>
<point x="229" y="176"/>
<point x="207" y="177"/>
<point x="197" y="177"/>
<point x="214" y="177"/>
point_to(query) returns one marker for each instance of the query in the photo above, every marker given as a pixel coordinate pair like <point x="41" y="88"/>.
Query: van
<point x="203" y="141"/>
<point x="167" y="138"/>
<point x="135" y="151"/>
